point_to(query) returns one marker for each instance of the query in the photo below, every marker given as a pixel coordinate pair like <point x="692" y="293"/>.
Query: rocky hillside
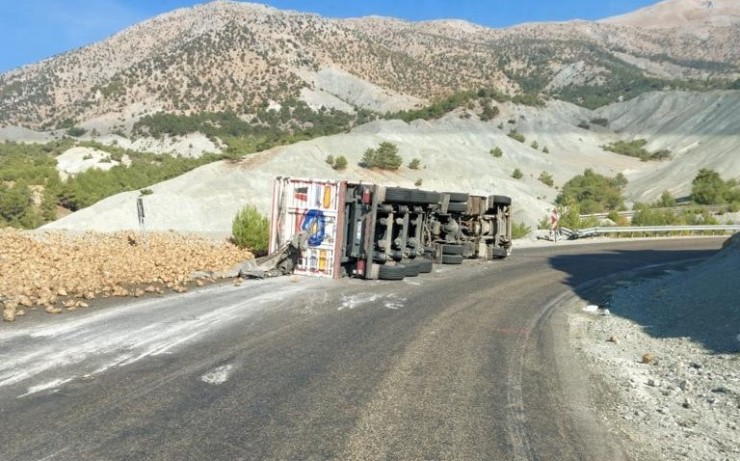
<point x="240" y="56"/>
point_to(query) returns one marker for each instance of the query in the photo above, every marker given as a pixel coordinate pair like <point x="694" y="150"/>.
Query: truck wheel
<point x="398" y="194"/>
<point x="501" y="200"/>
<point x="452" y="259"/>
<point x="432" y="198"/>
<point x="425" y="265"/>
<point x="412" y="269"/>
<point x="452" y="249"/>
<point x="420" y="197"/>
<point x="458" y="207"/>
<point x="458" y="196"/>
<point x="388" y="272"/>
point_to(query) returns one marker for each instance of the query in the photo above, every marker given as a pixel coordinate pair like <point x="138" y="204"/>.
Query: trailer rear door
<point x="317" y="207"/>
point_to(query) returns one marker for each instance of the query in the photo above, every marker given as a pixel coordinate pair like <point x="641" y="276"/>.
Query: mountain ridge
<point x="234" y="56"/>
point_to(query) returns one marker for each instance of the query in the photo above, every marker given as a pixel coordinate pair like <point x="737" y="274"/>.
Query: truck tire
<point x="457" y="207"/>
<point x="458" y="196"/>
<point x="388" y="272"/>
<point x="412" y="268"/>
<point x="452" y="259"/>
<point x="398" y="194"/>
<point x="425" y="265"/>
<point x="419" y="197"/>
<point x="433" y="198"/>
<point x="501" y="200"/>
<point x="452" y="249"/>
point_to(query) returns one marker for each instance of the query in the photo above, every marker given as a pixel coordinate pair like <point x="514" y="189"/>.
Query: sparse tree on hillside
<point x="385" y="157"/>
<point x="340" y="163"/>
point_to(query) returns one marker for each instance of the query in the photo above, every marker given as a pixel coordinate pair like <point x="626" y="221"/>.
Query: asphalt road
<point x="466" y="363"/>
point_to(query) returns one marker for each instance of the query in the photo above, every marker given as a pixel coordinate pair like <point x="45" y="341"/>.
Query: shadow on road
<point x="645" y="300"/>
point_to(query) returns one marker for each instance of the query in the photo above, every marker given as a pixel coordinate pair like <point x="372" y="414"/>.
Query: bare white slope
<point x="701" y="129"/>
<point x="358" y="92"/>
<point x="686" y="14"/>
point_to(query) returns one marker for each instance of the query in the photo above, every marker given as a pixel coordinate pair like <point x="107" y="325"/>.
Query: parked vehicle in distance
<point x="373" y="231"/>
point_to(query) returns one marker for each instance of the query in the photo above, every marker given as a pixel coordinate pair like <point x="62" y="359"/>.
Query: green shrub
<point x="662" y="154"/>
<point x="708" y="188"/>
<point x="517" y="174"/>
<point x="593" y="193"/>
<point x="646" y="216"/>
<point x="520" y="230"/>
<point x="600" y="121"/>
<point x="496" y="152"/>
<point x="666" y="201"/>
<point x="489" y="112"/>
<point x="146" y="192"/>
<point x="514" y="134"/>
<point x="534" y="145"/>
<point x="250" y="229"/>
<point x="545" y="150"/>
<point x="76" y="131"/>
<point x="418" y="182"/>
<point x="636" y="148"/>
<point x="340" y="163"/>
<point x="463" y="98"/>
<point x="546" y="178"/>
<point x="330" y="160"/>
<point x="415" y="164"/>
<point x="571" y="218"/>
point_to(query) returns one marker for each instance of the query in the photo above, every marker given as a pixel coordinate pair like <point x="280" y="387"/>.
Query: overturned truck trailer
<point x="378" y="232"/>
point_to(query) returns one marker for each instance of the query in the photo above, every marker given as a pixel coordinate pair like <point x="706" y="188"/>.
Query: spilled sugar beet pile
<point x="58" y="272"/>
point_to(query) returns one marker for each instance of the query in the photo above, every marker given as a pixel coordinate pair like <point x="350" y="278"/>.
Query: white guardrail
<point x="715" y="209"/>
<point x="593" y="231"/>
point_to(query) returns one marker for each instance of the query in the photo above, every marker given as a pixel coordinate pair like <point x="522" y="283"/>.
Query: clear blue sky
<point x="31" y="30"/>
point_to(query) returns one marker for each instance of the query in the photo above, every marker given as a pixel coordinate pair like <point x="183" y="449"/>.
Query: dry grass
<point x="58" y="271"/>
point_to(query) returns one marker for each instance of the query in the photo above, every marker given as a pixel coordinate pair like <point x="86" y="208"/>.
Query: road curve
<point x="466" y="363"/>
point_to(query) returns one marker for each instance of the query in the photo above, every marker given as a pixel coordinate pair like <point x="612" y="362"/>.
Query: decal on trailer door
<point x="314" y="223"/>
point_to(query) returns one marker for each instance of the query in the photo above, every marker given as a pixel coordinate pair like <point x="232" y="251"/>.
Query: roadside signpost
<point x="140" y="210"/>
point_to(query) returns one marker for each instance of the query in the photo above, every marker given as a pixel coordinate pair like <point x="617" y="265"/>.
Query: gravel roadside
<point x="664" y="355"/>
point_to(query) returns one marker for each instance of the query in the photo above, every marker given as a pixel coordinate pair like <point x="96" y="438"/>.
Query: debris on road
<point x="57" y="271"/>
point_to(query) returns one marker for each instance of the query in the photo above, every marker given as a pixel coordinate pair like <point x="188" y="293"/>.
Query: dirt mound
<point x="57" y="271"/>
